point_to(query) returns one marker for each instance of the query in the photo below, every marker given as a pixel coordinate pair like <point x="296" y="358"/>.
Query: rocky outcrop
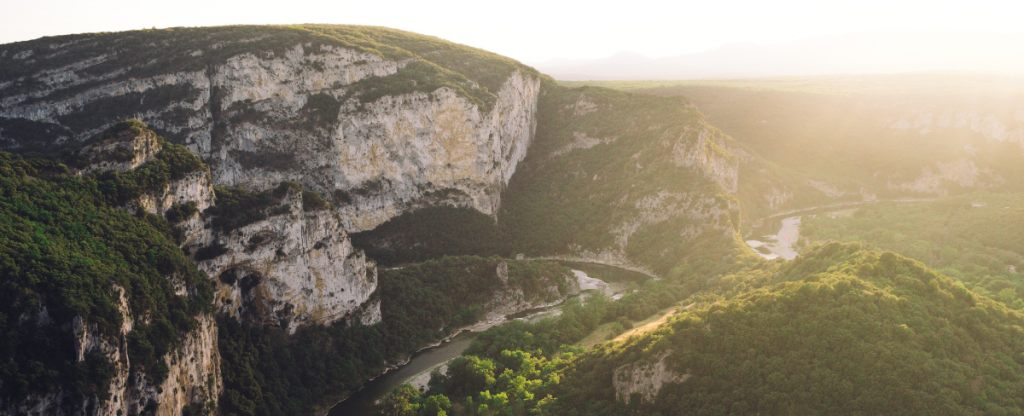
<point x="193" y="374"/>
<point x="194" y="187"/>
<point x="293" y="269"/>
<point x="705" y="149"/>
<point x="644" y="379"/>
<point x="581" y="141"/>
<point x="414" y="150"/>
<point x="260" y="112"/>
<point x="131" y="148"/>
<point x="988" y="125"/>
<point x="126" y="150"/>
<point x="962" y="173"/>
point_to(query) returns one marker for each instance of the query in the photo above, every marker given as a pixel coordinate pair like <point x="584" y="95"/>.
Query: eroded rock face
<point x="132" y="149"/>
<point x="963" y="173"/>
<point x="291" y="269"/>
<point x="261" y="110"/>
<point x="127" y="151"/>
<point x="706" y="151"/>
<point x="644" y="379"/>
<point x="259" y="117"/>
<point x="193" y="374"/>
<point x="419" y="150"/>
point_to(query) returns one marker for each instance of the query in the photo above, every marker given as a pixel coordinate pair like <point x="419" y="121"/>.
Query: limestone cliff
<point x="380" y="122"/>
<point x="193" y="376"/>
<point x="291" y="269"/>
<point x="378" y="129"/>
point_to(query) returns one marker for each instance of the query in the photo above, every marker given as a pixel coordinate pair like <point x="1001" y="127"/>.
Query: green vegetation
<point x="978" y="245"/>
<point x="859" y="133"/>
<point x="181" y="212"/>
<point x="514" y="383"/>
<point x="431" y="233"/>
<point x="566" y="196"/>
<point x="418" y="76"/>
<point x="68" y="251"/>
<point x="267" y="372"/>
<point x="443" y="62"/>
<point x="432" y="63"/>
<point x="513" y="368"/>
<point x="839" y="330"/>
<point x="577" y="320"/>
<point x="881" y="84"/>
<point x="173" y="162"/>
<point x="237" y="208"/>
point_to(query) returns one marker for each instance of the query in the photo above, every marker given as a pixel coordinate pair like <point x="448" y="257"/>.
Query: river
<point x="592" y="277"/>
<point x="772" y="244"/>
<point x="781" y="244"/>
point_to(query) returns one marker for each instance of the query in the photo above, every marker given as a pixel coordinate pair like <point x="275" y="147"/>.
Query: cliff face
<point x="193" y="377"/>
<point x="379" y="122"/>
<point x="422" y="149"/>
<point x="292" y="269"/>
<point x="372" y="129"/>
<point x="622" y="179"/>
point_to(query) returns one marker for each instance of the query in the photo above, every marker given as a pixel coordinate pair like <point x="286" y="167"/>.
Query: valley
<point x="305" y="219"/>
<point x="417" y="370"/>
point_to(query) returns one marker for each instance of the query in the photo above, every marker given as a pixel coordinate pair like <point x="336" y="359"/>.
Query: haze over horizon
<point x="537" y="33"/>
<point x="860" y="53"/>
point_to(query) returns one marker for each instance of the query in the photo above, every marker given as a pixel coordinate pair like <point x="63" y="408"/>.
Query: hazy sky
<point x="533" y="30"/>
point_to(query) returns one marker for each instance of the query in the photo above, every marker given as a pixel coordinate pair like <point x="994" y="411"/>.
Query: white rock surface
<point x="246" y="118"/>
<point x="140" y="148"/>
<point x="706" y="150"/>
<point x="645" y="378"/>
<point x="292" y="269"/>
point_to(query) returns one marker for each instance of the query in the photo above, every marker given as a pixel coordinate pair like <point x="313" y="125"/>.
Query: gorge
<point x="257" y="220"/>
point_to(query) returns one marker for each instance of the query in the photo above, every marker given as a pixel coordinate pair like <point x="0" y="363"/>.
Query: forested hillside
<point x="72" y="256"/>
<point x="862" y="137"/>
<point x="974" y="238"/>
<point x="840" y="330"/>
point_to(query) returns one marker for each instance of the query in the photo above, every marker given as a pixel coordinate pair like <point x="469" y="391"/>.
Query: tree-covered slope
<point x="976" y="238"/>
<point x="886" y="136"/>
<point x="836" y="331"/>
<point x="69" y="252"/>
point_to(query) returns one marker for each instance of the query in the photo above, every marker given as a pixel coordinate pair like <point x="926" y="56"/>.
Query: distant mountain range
<point x="863" y="53"/>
